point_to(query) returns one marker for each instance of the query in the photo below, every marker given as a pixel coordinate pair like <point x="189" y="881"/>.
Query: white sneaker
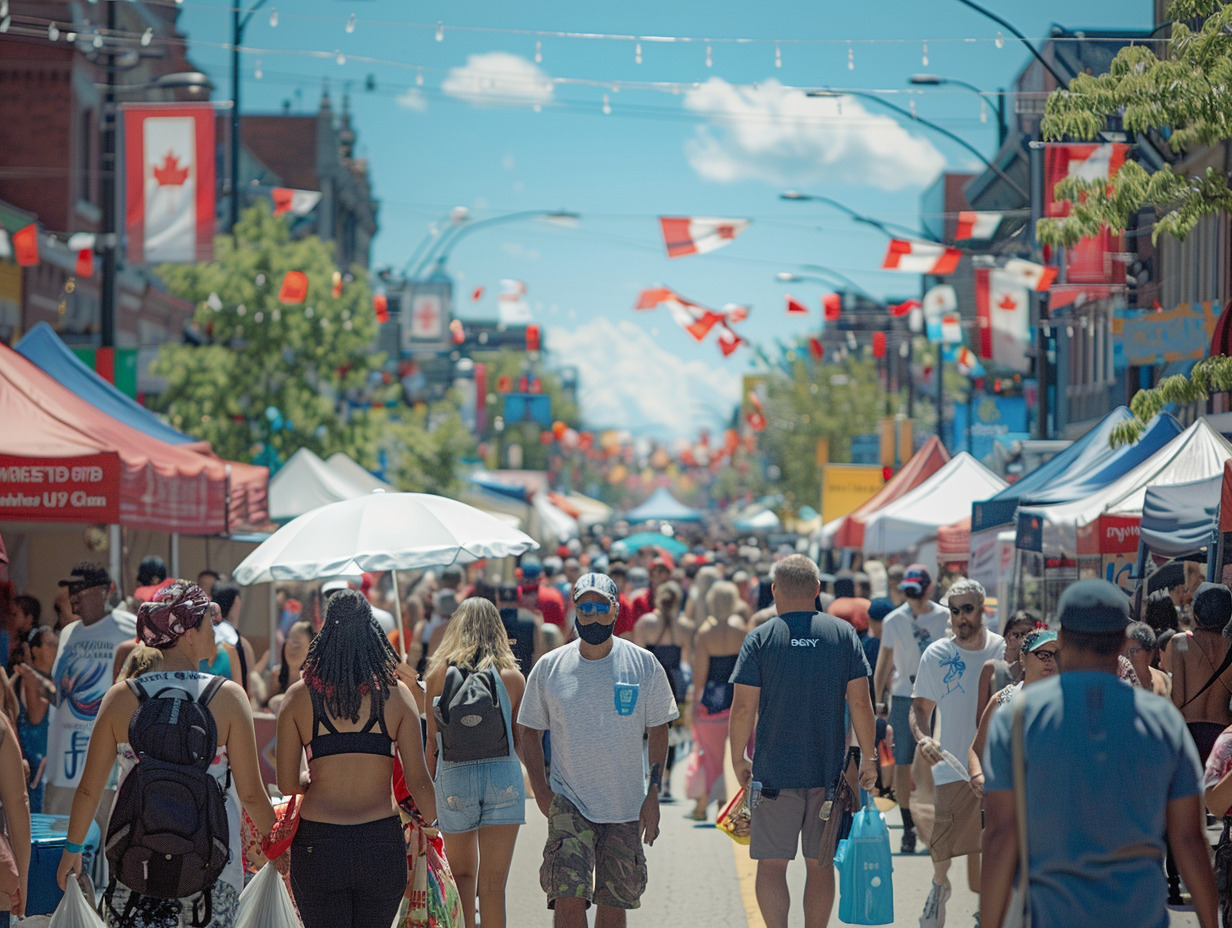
<point x="934" y="906"/>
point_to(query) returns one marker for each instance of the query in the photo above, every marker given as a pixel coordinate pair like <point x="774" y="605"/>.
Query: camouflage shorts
<point x="601" y="863"/>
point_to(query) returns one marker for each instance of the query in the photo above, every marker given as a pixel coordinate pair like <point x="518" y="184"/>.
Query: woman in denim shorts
<point x="479" y="803"/>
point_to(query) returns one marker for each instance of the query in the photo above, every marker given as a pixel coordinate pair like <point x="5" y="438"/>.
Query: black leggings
<point x="348" y="876"/>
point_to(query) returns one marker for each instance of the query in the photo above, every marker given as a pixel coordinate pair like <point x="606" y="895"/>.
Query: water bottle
<point x="754" y="794"/>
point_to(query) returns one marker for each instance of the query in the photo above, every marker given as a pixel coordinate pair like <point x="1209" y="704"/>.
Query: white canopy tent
<point x="351" y="471"/>
<point x="306" y="483"/>
<point x="1198" y="453"/>
<point x="914" y="517"/>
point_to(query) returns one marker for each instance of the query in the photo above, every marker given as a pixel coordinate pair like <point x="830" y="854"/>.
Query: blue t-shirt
<point x="802" y="662"/>
<point x="1102" y="761"/>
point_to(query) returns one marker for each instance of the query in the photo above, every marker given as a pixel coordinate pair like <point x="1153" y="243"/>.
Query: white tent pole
<point x="398" y="615"/>
<point x="115" y="547"/>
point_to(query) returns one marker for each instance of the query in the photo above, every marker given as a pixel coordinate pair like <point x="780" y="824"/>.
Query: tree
<point x="270" y="375"/>
<point x="1212" y="375"/>
<point x="424" y="449"/>
<point x="1181" y="97"/>
<point x="834" y="401"/>
<point x="514" y="364"/>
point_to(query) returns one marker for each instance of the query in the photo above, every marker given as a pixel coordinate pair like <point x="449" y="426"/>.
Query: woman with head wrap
<point x="352" y="716"/>
<point x="176" y="622"/>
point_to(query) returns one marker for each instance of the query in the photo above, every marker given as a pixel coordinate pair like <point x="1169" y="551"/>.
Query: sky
<point x="488" y="112"/>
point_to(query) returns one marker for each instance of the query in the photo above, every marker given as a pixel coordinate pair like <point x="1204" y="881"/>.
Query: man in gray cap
<point x="599" y="696"/>
<point x="1111" y="775"/>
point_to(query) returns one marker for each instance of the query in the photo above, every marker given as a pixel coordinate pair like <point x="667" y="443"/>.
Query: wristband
<point x="656" y="776"/>
<point x="72" y="848"/>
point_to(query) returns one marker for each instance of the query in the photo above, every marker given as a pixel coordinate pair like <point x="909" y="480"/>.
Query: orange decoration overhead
<point x="294" y="288"/>
<point x="380" y="303"/>
<point x="25" y="246"/>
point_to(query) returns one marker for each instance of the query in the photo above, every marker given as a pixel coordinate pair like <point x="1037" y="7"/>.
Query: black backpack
<point x="469" y="718"/>
<point x="168" y="837"/>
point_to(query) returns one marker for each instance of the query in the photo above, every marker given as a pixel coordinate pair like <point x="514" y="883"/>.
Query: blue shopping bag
<point x="865" y="883"/>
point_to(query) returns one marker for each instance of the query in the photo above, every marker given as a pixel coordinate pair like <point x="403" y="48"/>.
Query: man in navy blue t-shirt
<point x="795" y="675"/>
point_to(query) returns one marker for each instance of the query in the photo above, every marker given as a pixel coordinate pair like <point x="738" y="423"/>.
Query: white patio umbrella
<point x="381" y="531"/>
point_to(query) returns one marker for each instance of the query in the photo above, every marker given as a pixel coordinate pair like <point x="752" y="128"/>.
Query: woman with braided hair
<point x="350" y="714"/>
<point x="176" y="623"/>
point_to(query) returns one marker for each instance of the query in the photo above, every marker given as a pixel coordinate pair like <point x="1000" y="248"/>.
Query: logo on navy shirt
<point x="804" y="642"/>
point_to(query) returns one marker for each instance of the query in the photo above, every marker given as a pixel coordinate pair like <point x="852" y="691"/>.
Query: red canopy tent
<point x="62" y="460"/>
<point x="954" y="542"/>
<point x="923" y="464"/>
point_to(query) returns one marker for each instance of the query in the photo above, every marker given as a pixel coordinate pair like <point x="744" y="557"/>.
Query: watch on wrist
<point x="656" y="776"/>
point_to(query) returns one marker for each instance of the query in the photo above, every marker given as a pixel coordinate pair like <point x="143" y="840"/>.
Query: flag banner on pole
<point x="973" y="225"/>
<point x="26" y="246"/>
<point x="921" y="258"/>
<point x="729" y="341"/>
<point x="696" y="235"/>
<point x="795" y="307"/>
<point x="1003" y="313"/>
<point x="512" y="307"/>
<point x="900" y="310"/>
<point x="1030" y="275"/>
<point x="169" y="182"/>
<point x="964" y="359"/>
<point x="289" y="200"/>
<point x="831" y="307"/>
<point x="734" y="312"/>
<point x="944" y="329"/>
<point x="1085" y="161"/>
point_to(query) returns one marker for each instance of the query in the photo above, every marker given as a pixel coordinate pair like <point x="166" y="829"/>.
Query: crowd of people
<point x="584" y="679"/>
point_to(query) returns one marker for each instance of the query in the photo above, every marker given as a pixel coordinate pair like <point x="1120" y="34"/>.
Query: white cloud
<point x="413" y="99"/>
<point x="632" y="382"/>
<point x="498" y="79"/>
<point x="778" y="135"/>
<point x="518" y="250"/>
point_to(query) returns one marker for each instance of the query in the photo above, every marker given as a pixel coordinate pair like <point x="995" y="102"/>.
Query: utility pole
<point x="111" y="243"/>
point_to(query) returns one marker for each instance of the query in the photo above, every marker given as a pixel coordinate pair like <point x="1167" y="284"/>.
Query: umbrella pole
<point x="398" y="615"/>
<point x="273" y="624"/>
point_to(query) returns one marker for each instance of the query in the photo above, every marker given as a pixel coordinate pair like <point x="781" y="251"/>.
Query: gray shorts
<point x="904" y="740"/>
<point x="789" y="820"/>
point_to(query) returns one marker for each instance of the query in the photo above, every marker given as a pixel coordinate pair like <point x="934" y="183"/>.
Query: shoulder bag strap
<point x="1018" y="750"/>
<point x="211" y="688"/>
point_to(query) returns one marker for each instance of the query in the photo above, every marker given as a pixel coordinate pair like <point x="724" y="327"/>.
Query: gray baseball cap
<point x="1093" y="606"/>
<point x="602" y="584"/>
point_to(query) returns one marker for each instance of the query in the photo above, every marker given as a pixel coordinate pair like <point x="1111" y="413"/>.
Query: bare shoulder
<point x="513" y="679"/>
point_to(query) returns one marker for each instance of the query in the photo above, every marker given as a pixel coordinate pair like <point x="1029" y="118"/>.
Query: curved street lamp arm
<point x="243" y="23"/>
<point x="970" y="4"/>
<point x="438" y="253"/>
<point x="838" y="277"/>
<point x="954" y="137"/>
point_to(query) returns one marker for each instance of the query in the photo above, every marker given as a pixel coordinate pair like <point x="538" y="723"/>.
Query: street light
<point x="1005" y="24"/>
<point x="239" y="22"/>
<point x="954" y="137"/>
<point x="932" y="80"/>
<point x="877" y="224"/>
<point x="438" y="252"/>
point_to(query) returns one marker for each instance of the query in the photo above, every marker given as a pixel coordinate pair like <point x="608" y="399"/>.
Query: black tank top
<point x="669" y="656"/>
<point x="332" y="741"/>
<point x="717" y="695"/>
<point x="521" y="634"/>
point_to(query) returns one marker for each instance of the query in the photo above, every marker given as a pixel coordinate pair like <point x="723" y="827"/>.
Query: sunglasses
<point x="964" y="609"/>
<point x="594" y="608"/>
<point x="1044" y="655"/>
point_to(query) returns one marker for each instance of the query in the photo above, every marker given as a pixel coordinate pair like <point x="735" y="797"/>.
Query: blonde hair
<point x="475" y="639"/>
<point x="699" y="602"/>
<point x="723" y="600"/>
<point x="142" y="659"/>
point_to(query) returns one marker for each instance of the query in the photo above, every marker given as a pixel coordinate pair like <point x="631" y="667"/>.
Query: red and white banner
<point x="1029" y="274"/>
<point x="795" y="307"/>
<point x="1084" y="161"/>
<point x="729" y="341"/>
<point x="1003" y="313"/>
<point x="921" y="258"/>
<point x="696" y="235"/>
<point x="80" y="489"/>
<point x="694" y="318"/>
<point x="169" y="182"/>
<point x="973" y="225"/>
<point x="290" y="200"/>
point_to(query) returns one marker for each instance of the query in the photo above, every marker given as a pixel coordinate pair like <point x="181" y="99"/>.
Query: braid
<point x="350" y="658"/>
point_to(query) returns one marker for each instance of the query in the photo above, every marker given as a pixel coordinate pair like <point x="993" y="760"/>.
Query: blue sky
<point x="733" y="137"/>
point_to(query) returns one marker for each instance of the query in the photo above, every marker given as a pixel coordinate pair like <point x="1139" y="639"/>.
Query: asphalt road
<point x="699" y="878"/>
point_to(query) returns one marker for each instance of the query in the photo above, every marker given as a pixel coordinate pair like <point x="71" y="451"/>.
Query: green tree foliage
<point x="1182" y="96"/>
<point x="1212" y="375"/>
<point x="424" y="449"/>
<point x="313" y="363"/>
<point x="833" y="400"/>
<point x="513" y="363"/>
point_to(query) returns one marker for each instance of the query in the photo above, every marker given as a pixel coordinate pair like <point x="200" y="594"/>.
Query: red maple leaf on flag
<point x="170" y="174"/>
<point x="1008" y="303"/>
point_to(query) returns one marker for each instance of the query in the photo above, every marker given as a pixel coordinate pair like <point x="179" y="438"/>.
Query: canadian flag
<point x="921" y="258"/>
<point x="1003" y="314"/>
<point x="945" y="329"/>
<point x="290" y="200"/>
<point x="795" y="307"/>
<point x="696" y="235"/>
<point x="729" y="341"/>
<point x="832" y="307"/>
<point x="965" y="360"/>
<point x="511" y="305"/>
<point x="694" y="318"/>
<point x="899" y="310"/>
<point x="734" y="312"/>
<point x="169" y="181"/>
<point x="976" y="225"/>
<point x="1086" y="162"/>
<point x="1029" y="274"/>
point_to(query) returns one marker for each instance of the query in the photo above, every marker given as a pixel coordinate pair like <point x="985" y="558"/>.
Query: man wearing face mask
<point x="599" y="696"/>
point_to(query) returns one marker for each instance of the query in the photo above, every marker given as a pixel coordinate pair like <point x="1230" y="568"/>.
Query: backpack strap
<point x="210" y="690"/>
<point x="137" y="689"/>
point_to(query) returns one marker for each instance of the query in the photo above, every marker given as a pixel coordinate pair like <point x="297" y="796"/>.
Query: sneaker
<point x="908" y="845"/>
<point x="977" y="920"/>
<point x="934" y="906"/>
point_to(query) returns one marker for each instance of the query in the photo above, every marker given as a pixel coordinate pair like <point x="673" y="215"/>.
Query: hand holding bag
<point x="865" y="866"/>
<point x="278" y="841"/>
<point x="265" y="903"/>
<point x="842" y="803"/>
<point x="73" y="910"/>
<point x="736" y="820"/>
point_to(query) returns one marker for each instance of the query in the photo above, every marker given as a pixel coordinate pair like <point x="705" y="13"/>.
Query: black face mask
<point x="595" y="632"/>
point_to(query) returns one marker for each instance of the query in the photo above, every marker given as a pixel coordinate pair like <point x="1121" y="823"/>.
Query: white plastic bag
<point x="73" y="910"/>
<point x="265" y="903"/>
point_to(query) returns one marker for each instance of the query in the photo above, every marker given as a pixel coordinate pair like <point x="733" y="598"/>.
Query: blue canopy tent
<point x="44" y="348"/>
<point x="1180" y="519"/>
<point x="662" y="507"/>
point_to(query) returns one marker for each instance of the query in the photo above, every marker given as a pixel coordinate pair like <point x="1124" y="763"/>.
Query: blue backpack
<point x="865" y="883"/>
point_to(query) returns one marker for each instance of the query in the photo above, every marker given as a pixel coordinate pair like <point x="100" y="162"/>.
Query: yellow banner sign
<point x="847" y="486"/>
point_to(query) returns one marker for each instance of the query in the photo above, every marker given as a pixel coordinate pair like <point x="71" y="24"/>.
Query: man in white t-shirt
<point x="599" y="696"/>
<point x="947" y="680"/>
<point x="906" y="632"/>
<point x="83" y="673"/>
